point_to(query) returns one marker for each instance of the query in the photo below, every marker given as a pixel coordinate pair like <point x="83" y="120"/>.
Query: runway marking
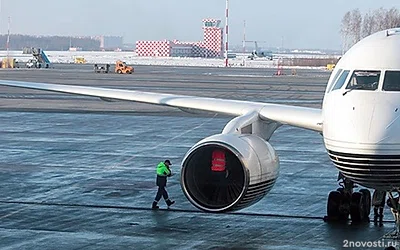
<point x="155" y="211"/>
<point x="12" y="213"/>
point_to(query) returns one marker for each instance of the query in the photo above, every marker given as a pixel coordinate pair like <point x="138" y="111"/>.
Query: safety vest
<point x="162" y="169"/>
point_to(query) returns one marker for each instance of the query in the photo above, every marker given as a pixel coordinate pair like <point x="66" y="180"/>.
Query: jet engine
<point x="227" y="172"/>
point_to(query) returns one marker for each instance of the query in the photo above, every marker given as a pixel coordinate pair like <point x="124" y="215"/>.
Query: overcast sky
<point x="298" y="24"/>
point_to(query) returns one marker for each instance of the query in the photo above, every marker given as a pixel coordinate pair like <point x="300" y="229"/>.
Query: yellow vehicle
<point x="122" y="68"/>
<point x="9" y="62"/>
<point x="79" y="60"/>
<point x="330" y="66"/>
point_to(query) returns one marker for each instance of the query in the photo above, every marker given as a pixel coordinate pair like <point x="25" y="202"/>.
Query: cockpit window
<point x="364" y="80"/>
<point x="341" y="80"/>
<point x="334" y="79"/>
<point x="392" y="81"/>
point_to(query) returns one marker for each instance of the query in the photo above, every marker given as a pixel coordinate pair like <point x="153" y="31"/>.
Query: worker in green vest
<point x="163" y="172"/>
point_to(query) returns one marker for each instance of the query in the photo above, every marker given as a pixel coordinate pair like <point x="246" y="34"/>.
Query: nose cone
<point x="384" y="127"/>
<point x="369" y="119"/>
<point x="361" y="126"/>
<point x="363" y="122"/>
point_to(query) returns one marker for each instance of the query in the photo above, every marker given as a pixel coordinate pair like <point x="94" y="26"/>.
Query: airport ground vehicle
<point x="105" y="68"/>
<point x="122" y="68"/>
<point x="330" y="66"/>
<point x="79" y="60"/>
<point x="33" y="63"/>
<point x="39" y="60"/>
<point x="9" y="62"/>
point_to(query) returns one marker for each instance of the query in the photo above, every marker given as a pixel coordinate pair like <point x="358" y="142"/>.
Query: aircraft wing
<point x="308" y="118"/>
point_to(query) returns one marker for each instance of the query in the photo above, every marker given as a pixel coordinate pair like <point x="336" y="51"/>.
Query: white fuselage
<point x="361" y="125"/>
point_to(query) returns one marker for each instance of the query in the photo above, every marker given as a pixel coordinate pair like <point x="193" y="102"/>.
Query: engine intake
<point x="228" y="172"/>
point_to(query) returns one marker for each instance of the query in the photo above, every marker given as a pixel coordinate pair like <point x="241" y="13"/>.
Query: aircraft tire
<point x="367" y="202"/>
<point x="357" y="206"/>
<point x="334" y="201"/>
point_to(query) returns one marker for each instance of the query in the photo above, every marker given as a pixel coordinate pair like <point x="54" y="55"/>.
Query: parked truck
<point x="105" y="68"/>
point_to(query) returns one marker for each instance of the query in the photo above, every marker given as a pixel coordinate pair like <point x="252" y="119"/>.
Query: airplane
<point x="257" y="52"/>
<point x="359" y="122"/>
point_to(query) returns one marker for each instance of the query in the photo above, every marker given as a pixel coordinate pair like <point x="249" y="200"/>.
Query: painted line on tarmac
<point x="160" y="209"/>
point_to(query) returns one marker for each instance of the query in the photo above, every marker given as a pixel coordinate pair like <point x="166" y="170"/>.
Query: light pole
<point x="8" y="41"/>
<point x="1" y="8"/>
<point x="226" y="33"/>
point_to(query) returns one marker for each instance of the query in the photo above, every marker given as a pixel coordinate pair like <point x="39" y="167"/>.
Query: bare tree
<point x="354" y="27"/>
<point x="345" y="30"/>
<point x="351" y="28"/>
<point x="368" y="24"/>
<point x="355" y="24"/>
<point x="379" y="16"/>
<point x="392" y="18"/>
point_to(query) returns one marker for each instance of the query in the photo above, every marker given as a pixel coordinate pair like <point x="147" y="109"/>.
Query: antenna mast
<point x="226" y="33"/>
<point x="8" y="38"/>
<point x="244" y="36"/>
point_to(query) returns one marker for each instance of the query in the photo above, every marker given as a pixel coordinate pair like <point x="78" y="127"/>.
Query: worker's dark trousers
<point x="161" y="192"/>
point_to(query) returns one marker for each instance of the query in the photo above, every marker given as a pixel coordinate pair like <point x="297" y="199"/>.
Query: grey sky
<point x="301" y="24"/>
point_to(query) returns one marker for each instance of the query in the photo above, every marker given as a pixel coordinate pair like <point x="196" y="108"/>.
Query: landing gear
<point x="367" y="196"/>
<point x="357" y="207"/>
<point x="336" y="206"/>
<point x="344" y="202"/>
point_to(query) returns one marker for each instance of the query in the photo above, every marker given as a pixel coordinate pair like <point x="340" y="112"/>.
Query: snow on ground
<point x="130" y="58"/>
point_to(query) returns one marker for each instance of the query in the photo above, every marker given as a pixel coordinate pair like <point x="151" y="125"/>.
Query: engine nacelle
<point x="228" y="172"/>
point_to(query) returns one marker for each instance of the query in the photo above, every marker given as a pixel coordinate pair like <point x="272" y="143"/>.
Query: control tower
<point x="212" y="44"/>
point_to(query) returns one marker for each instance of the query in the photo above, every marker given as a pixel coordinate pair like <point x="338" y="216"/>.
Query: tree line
<point x="356" y="26"/>
<point x="55" y="43"/>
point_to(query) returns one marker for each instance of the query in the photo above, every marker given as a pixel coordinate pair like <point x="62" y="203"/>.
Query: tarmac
<point x="79" y="173"/>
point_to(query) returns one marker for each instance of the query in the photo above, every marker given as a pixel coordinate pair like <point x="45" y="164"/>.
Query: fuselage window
<point x="341" y="80"/>
<point x="334" y="79"/>
<point x="364" y="80"/>
<point x="392" y="81"/>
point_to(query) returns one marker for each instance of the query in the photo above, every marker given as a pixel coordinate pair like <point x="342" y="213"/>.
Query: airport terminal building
<point x="211" y="46"/>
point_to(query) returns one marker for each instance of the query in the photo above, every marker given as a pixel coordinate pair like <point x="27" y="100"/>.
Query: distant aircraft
<point x="359" y="122"/>
<point x="257" y="52"/>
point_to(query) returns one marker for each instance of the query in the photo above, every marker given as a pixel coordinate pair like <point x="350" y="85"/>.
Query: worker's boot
<point x="381" y="216"/>
<point x="381" y="220"/>
<point x="376" y="216"/>
<point x="169" y="202"/>
<point x="154" y="206"/>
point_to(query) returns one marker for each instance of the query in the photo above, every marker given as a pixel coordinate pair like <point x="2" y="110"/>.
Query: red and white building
<point x="211" y="46"/>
